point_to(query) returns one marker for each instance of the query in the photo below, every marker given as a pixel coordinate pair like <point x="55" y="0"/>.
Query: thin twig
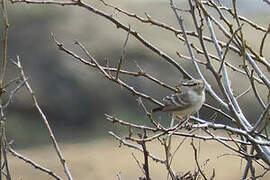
<point x="137" y="36"/>
<point x="167" y="159"/>
<point x="11" y="81"/>
<point x="118" y="175"/>
<point x="156" y="159"/>
<point x="191" y="53"/>
<point x="248" y="165"/>
<point x="177" y="32"/>
<point x="232" y="67"/>
<point x="263" y="40"/>
<point x="13" y="92"/>
<point x="256" y="56"/>
<point x="44" y="118"/>
<point x="32" y="163"/>
<point x="4" y="144"/>
<point x="261" y="120"/>
<point x="227" y="48"/>
<point x="137" y="162"/>
<point x="219" y="111"/>
<point x="63" y="3"/>
<point x="230" y="11"/>
<point x="196" y="159"/>
<point x="108" y="76"/>
<point x="2" y="78"/>
<point x="177" y="148"/>
<point x="110" y="69"/>
<point x="228" y="128"/>
<point x="6" y="27"/>
<point x="148" y="114"/>
<point x="243" y="93"/>
<point x="190" y="59"/>
<point x="249" y="57"/>
<point x="256" y="93"/>
<point x="145" y="155"/>
<point x="122" y="56"/>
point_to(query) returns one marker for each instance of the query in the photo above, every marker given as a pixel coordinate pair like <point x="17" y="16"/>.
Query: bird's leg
<point x="184" y="121"/>
<point x="179" y="118"/>
<point x="172" y="120"/>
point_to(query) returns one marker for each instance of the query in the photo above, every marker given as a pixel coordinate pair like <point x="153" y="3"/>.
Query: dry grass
<point x="103" y="159"/>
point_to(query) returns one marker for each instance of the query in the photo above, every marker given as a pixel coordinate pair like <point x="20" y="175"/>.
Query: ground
<point x="103" y="159"/>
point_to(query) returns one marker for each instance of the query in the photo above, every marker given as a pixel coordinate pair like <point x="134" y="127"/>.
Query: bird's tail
<point x="157" y="109"/>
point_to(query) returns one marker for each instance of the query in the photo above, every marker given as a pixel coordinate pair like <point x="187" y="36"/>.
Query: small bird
<point x="187" y="102"/>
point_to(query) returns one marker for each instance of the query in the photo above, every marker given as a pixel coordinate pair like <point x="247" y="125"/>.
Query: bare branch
<point x="13" y="92"/>
<point x="63" y="3"/>
<point x="108" y="76"/>
<point x="262" y="119"/>
<point x="5" y="36"/>
<point x="32" y="163"/>
<point x="137" y="162"/>
<point x="122" y="56"/>
<point x="207" y="28"/>
<point x="229" y="10"/>
<point x="167" y="148"/>
<point x="196" y="159"/>
<point x="145" y="154"/>
<point x="263" y="40"/>
<point x="156" y="159"/>
<point x="44" y="118"/>
<point x="180" y="22"/>
<point x="227" y="48"/>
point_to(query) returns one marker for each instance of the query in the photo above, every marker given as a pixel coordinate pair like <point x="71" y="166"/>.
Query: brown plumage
<point x="190" y="100"/>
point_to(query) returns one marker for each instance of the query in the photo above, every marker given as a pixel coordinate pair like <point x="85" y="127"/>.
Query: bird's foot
<point x="183" y="122"/>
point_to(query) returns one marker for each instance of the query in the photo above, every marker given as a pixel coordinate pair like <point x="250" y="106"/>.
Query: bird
<point x="186" y="102"/>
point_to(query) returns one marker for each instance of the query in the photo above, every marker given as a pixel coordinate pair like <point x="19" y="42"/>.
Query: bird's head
<point x="197" y="85"/>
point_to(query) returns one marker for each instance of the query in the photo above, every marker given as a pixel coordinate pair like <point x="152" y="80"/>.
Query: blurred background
<point x="76" y="97"/>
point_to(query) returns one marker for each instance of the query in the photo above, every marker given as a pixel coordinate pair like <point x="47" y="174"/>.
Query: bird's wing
<point x="176" y="102"/>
